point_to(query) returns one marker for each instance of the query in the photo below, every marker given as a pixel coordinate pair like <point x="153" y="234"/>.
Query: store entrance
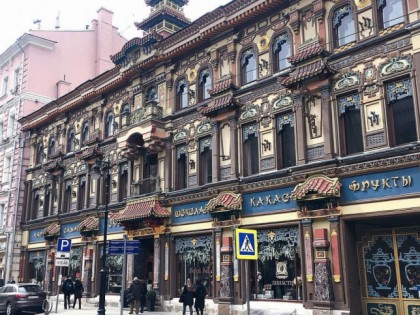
<point x="143" y="262"/>
<point x="389" y="264"/>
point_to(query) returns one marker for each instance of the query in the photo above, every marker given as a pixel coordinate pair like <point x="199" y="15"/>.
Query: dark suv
<point x="18" y="297"/>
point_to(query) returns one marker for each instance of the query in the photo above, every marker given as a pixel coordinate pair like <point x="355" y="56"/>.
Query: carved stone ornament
<point x="347" y="80"/>
<point x="283" y="101"/>
<point x="203" y="127"/>
<point x="250" y="111"/>
<point x="395" y="65"/>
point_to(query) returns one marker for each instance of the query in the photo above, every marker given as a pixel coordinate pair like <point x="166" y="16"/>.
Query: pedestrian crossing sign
<point x="246" y="244"/>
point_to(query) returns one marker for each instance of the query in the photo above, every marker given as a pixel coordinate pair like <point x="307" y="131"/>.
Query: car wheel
<point x="9" y="309"/>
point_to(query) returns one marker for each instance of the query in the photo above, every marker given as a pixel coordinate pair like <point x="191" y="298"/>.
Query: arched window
<point x="391" y="12"/>
<point x="85" y="132"/>
<point x="151" y="94"/>
<point x="125" y="115"/>
<point x="39" y="153"/>
<point x="343" y="26"/>
<point x="182" y="94"/>
<point x="282" y="51"/>
<point x="51" y="146"/>
<point x="109" y="124"/>
<point x="204" y="84"/>
<point x="70" y="140"/>
<point x="248" y="66"/>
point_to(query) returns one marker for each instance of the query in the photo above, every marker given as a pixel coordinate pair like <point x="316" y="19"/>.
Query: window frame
<point x="205" y="160"/>
<point x="244" y="64"/>
<point x="288" y="121"/>
<point x="109" y="124"/>
<point x="182" y="98"/>
<point x="67" y="200"/>
<point x="39" y="156"/>
<point x="123" y="181"/>
<point x="276" y="51"/>
<point x="85" y="132"/>
<point x="51" y="146"/>
<point x="336" y="22"/>
<point x="380" y="15"/>
<point x="70" y="140"/>
<point x="204" y="75"/>
<point x="181" y="162"/>
<point x="125" y="115"/>
<point x="250" y="159"/>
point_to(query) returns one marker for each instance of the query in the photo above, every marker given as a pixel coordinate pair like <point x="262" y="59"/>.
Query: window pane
<point x="404" y="121"/>
<point x="353" y="130"/>
<point x="392" y="12"/>
<point x="288" y="146"/>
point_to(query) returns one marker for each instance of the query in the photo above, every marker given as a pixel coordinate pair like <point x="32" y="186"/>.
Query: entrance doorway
<point x="143" y="262"/>
<point x="389" y="264"/>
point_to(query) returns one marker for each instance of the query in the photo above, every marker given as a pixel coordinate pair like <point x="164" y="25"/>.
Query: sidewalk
<point x="89" y="309"/>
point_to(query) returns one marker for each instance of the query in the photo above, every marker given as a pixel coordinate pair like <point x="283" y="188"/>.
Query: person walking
<point x="11" y="280"/>
<point x="67" y="288"/>
<point x="200" y="296"/>
<point x="188" y="297"/>
<point x="138" y="290"/>
<point x="78" y="292"/>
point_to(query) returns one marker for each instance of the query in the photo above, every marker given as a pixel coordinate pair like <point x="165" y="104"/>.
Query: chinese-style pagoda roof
<point x="306" y="71"/>
<point x="219" y="103"/>
<point x="322" y="185"/>
<point x="51" y="230"/>
<point x="306" y="52"/>
<point x="142" y="209"/>
<point x="152" y="3"/>
<point x="163" y="13"/>
<point x="222" y="85"/>
<point x="89" y="224"/>
<point x="227" y="200"/>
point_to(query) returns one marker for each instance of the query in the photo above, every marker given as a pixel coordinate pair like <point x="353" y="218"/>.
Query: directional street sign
<point x="246" y="244"/>
<point x="64" y="245"/>
<point x="117" y="247"/>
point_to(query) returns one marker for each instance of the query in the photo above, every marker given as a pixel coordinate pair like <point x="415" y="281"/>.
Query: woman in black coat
<point x="78" y="292"/>
<point x="188" y="296"/>
<point x="200" y="297"/>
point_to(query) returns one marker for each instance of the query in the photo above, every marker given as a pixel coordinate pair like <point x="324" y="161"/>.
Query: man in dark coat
<point x="188" y="297"/>
<point x="78" y="292"/>
<point x="68" y="288"/>
<point x="138" y="290"/>
<point x="200" y="296"/>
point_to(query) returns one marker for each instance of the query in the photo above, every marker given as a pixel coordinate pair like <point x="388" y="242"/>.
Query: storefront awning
<point x="321" y="185"/>
<point x="89" y="224"/>
<point x="226" y="200"/>
<point x="51" y="230"/>
<point x="142" y="209"/>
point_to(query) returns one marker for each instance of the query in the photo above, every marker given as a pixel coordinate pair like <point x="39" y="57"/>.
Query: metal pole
<point x="124" y="275"/>
<point x="58" y="277"/>
<point x="247" y="287"/>
<point x="102" y="289"/>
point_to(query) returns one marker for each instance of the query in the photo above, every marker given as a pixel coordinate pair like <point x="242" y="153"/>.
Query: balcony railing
<point x="145" y="186"/>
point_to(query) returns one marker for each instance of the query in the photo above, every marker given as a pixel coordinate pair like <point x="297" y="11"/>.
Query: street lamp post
<point x="96" y="174"/>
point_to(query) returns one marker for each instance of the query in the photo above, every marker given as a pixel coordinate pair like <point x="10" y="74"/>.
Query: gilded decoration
<point x="347" y="80"/>
<point x="203" y="127"/>
<point x="348" y="101"/>
<point x="195" y="248"/>
<point x="263" y="43"/>
<point x="249" y="112"/>
<point x="399" y="90"/>
<point x="283" y="101"/>
<point x="180" y="135"/>
<point x="395" y="65"/>
<point x="362" y="3"/>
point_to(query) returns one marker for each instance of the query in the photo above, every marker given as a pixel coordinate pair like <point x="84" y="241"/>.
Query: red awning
<point x="320" y="184"/>
<point x="51" y="230"/>
<point x="89" y="224"/>
<point x="228" y="200"/>
<point x="142" y="209"/>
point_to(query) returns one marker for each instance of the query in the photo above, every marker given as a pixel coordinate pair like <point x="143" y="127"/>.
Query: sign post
<point x="246" y="246"/>
<point x="62" y="259"/>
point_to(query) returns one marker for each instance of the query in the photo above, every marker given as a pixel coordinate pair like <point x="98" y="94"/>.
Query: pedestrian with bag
<point x="187" y="297"/>
<point x="67" y="288"/>
<point x="78" y="292"/>
<point x="200" y="297"/>
<point x="138" y="290"/>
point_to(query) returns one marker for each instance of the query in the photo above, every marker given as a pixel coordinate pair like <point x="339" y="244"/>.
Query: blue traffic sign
<point x="117" y="247"/>
<point x="64" y="245"/>
<point x="246" y="244"/>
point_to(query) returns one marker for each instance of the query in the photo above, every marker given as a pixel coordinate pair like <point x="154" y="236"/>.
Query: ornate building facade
<point x="296" y="119"/>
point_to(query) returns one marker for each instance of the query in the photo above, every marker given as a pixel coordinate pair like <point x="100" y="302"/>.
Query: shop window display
<point x="194" y="261"/>
<point x="276" y="275"/>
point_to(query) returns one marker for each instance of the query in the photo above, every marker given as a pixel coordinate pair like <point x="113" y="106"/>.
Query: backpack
<point x="69" y="287"/>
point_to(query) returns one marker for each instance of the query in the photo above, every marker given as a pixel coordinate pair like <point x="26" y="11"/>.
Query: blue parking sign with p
<point x="64" y="245"/>
<point x="246" y="244"/>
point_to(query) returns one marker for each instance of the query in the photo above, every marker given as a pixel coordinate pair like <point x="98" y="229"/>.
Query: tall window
<point x="391" y="12"/>
<point x="4" y="86"/>
<point x="181" y="167"/>
<point x="182" y="94"/>
<point x="11" y="124"/>
<point x="85" y="133"/>
<point x="2" y="216"/>
<point x="251" y="149"/>
<point x="123" y="182"/>
<point x="400" y="111"/>
<point x="151" y="94"/>
<point x="205" y="170"/>
<point x="149" y="172"/>
<point x="276" y="275"/>
<point x="39" y="158"/>
<point x="204" y="84"/>
<point x="109" y="124"/>
<point x="70" y="140"/>
<point x="248" y="66"/>
<point x="82" y="193"/>
<point x="125" y="115"/>
<point x="47" y="201"/>
<point x="67" y="196"/>
<point x="16" y="80"/>
<point x="1" y="129"/>
<point x="51" y="146"/>
<point x="281" y="51"/>
<point x="7" y="169"/>
<point x="351" y="124"/>
<point x="35" y="204"/>
<point x="286" y="151"/>
<point x="343" y="26"/>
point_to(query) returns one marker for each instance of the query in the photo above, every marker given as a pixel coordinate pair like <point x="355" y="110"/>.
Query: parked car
<point x="17" y="297"/>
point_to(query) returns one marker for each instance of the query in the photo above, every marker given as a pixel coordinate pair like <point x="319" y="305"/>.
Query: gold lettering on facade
<point x="384" y="183"/>
<point x="141" y="232"/>
<point x="70" y="229"/>
<point x="269" y="200"/>
<point x="190" y="212"/>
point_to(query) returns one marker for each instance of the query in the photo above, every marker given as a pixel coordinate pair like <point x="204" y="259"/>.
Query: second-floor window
<point x="70" y="140"/>
<point x="205" y="161"/>
<point x="123" y="182"/>
<point x="47" y="201"/>
<point x="82" y="193"/>
<point x="351" y="124"/>
<point x="400" y="112"/>
<point x="151" y="94"/>
<point x="248" y="66"/>
<point x="7" y="169"/>
<point x="182" y="94"/>
<point x="181" y="173"/>
<point x="11" y="124"/>
<point x="282" y="51"/>
<point x="125" y="115"/>
<point x="250" y="149"/>
<point x="85" y="133"/>
<point x="109" y="124"/>
<point x="204" y="84"/>
<point x="51" y="146"/>
<point x="391" y="12"/>
<point x="343" y="26"/>
<point x="67" y="196"/>
<point x="4" y="86"/>
<point x="39" y="158"/>
<point x="286" y="151"/>
<point x="35" y="204"/>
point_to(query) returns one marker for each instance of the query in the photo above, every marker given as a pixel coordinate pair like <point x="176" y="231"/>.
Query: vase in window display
<point x="381" y="270"/>
<point x="412" y="267"/>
